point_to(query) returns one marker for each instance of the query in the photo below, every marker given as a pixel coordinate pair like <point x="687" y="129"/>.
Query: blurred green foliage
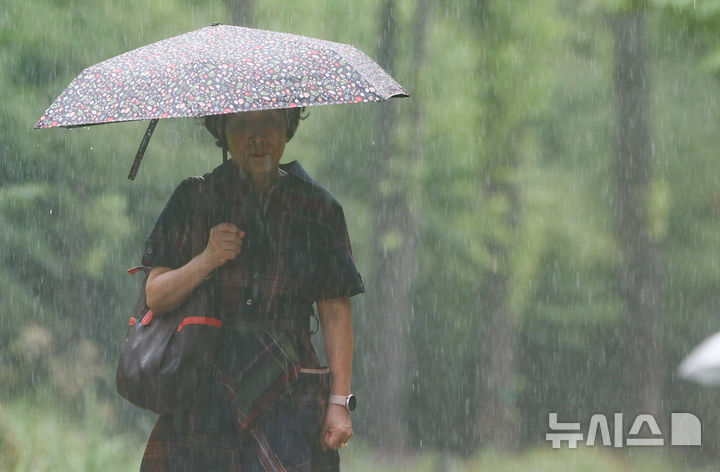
<point x="509" y="91"/>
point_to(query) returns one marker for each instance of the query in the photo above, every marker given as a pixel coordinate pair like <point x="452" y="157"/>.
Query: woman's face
<point x="256" y="141"/>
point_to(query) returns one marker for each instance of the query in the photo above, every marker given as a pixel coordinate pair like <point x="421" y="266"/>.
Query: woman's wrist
<point x="207" y="263"/>
<point x="340" y="389"/>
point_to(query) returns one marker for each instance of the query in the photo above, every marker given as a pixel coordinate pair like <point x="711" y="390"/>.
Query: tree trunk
<point x="499" y="426"/>
<point x="393" y="270"/>
<point x="497" y="423"/>
<point x="639" y="277"/>
<point x="241" y="12"/>
<point x="422" y="14"/>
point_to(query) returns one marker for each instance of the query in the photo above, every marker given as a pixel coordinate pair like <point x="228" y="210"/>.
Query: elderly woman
<point x="278" y="246"/>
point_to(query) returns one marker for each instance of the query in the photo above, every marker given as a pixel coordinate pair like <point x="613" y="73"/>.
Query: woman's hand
<point x="224" y="244"/>
<point x="337" y="428"/>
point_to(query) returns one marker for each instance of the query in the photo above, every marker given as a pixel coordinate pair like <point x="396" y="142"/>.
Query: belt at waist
<point x="278" y="324"/>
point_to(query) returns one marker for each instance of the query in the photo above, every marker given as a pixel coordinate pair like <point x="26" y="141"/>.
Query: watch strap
<point x="338" y="400"/>
<point x="348" y="401"/>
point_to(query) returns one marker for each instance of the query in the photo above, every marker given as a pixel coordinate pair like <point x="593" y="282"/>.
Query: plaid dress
<point x="296" y="251"/>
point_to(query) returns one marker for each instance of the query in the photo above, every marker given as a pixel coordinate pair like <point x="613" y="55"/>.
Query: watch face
<point x="351" y="402"/>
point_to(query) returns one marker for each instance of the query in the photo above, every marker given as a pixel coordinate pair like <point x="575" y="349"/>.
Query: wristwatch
<point x="348" y="401"/>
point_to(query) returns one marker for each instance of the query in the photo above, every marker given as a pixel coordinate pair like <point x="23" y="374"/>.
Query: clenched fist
<point x="224" y="244"/>
<point x="336" y="429"/>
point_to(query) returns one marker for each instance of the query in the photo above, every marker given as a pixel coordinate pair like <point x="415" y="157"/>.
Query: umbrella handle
<point x="141" y="150"/>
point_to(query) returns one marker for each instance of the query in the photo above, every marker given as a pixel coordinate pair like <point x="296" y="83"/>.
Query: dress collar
<point x="293" y="169"/>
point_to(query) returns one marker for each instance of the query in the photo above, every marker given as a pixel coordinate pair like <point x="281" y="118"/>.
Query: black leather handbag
<point x="167" y="360"/>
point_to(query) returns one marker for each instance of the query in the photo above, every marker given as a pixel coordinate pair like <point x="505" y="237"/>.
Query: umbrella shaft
<point x="141" y="149"/>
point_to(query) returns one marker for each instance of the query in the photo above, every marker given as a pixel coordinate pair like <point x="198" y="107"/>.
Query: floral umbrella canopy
<point x="217" y="70"/>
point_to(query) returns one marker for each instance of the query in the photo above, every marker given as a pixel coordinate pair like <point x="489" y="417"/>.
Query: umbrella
<point x="702" y="365"/>
<point x="217" y="70"/>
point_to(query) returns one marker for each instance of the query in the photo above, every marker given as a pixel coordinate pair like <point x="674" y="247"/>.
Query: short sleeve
<point x="169" y="242"/>
<point x="337" y="274"/>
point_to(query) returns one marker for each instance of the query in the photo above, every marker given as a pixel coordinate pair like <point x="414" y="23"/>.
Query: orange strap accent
<point x="134" y="270"/>
<point x="190" y="320"/>
<point x="147" y="318"/>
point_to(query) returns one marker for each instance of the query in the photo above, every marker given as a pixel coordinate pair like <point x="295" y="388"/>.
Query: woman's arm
<point x="336" y="322"/>
<point x="167" y="288"/>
